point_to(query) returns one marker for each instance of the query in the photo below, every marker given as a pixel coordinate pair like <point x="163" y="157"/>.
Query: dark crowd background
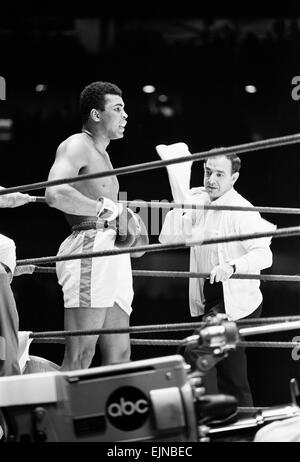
<point x="200" y="69"/>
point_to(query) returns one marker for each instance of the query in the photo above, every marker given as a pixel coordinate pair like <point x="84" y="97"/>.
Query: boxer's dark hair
<point x="93" y="97"/>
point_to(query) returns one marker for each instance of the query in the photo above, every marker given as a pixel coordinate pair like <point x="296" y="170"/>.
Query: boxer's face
<point x="114" y="118"/>
<point x="218" y="176"/>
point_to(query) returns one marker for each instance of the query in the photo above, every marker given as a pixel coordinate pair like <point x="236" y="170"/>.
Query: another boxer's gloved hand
<point x="107" y="209"/>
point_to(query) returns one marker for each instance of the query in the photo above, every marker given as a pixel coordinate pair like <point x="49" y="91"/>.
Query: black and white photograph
<point x="150" y="229"/>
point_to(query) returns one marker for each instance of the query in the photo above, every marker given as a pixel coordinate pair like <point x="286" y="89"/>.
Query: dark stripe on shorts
<point x="86" y="270"/>
<point x="2" y="349"/>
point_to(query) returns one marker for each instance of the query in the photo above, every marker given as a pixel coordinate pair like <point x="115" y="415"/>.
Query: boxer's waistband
<point x="99" y="224"/>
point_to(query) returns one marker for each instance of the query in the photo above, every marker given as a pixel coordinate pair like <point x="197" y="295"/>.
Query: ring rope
<point x="180" y="342"/>
<point x="238" y="149"/>
<point x="155" y="328"/>
<point x="261" y="344"/>
<point x="253" y="344"/>
<point x="187" y="206"/>
<point x="191" y="274"/>
<point x="282" y="232"/>
<point x="121" y="330"/>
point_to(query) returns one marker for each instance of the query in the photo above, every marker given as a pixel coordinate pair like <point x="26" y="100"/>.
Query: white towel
<point x="179" y="174"/>
<point x="178" y="225"/>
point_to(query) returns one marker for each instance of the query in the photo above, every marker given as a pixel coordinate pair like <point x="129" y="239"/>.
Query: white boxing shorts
<point x="97" y="282"/>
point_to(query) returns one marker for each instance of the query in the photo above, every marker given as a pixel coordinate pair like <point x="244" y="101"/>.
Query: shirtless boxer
<point x="97" y="292"/>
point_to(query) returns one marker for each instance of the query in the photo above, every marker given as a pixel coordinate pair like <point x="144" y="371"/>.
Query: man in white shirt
<point x="238" y="298"/>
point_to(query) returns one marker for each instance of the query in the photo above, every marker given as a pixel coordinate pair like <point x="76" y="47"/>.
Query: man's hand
<point x="14" y="199"/>
<point x="221" y="273"/>
<point x="198" y="190"/>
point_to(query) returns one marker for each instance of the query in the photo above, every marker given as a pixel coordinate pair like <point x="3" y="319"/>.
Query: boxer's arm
<point x="70" y="159"/>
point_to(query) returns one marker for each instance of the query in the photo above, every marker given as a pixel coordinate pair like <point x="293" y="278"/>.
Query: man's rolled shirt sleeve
<point x="258" y="254"/>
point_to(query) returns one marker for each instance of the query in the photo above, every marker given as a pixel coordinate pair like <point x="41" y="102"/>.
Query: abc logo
<point x="127" y="408"/>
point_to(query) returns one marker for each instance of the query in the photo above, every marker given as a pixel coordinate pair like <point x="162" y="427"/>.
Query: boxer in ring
<point x="97" y="292"/>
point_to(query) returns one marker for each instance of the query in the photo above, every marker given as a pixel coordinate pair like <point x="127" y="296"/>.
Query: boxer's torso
<point x="96" y="160"/>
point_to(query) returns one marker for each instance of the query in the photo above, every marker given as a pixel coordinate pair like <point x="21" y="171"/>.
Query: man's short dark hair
<point x="234" y="159"/>
<point x="93" y="97"/>
<point x="235" y="162"/>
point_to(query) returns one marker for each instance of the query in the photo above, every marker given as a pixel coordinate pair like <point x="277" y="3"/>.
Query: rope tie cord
<point x="238" y="149"/>
<point x="38" y="199"/>
<point x="282" y="232"/>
